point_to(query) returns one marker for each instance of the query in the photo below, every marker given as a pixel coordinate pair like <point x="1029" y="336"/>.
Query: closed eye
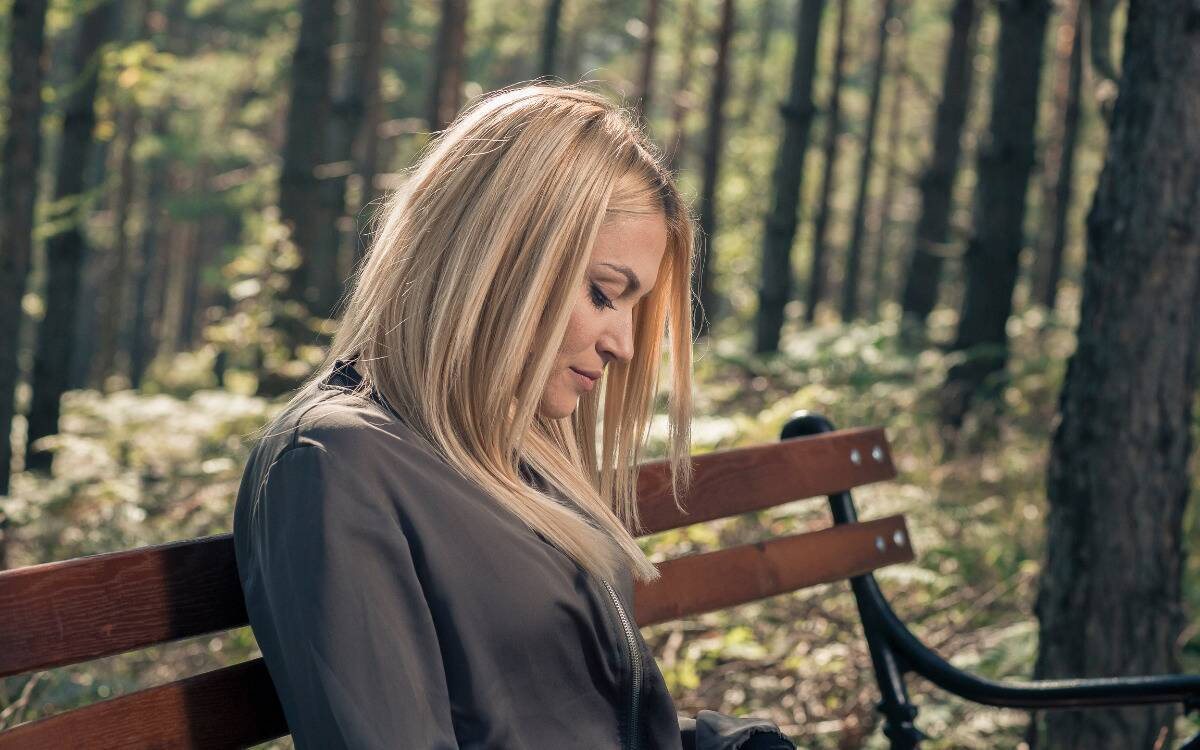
<point x="600" y="300"/>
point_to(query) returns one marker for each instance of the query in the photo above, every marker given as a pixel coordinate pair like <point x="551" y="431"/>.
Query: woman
<point x="433" y="550"/>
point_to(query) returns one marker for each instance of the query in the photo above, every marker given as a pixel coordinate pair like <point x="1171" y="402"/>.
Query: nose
<point x="616" y="342"/>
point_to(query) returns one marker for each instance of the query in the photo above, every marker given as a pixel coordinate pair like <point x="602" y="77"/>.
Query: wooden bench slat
<point x="182" y="714"/>
<point x="76" y="610"/>
<point x="724" y="578"/>
<point x="739" y="480"/>
<point x="91" y="607"/>
<point x="231" y="707"/>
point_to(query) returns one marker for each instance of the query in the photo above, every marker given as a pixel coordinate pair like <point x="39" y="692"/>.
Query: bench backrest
<point x="77" y="610"/>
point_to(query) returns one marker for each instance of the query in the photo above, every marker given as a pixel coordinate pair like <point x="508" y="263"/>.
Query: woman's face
<point x="623" y="269"/>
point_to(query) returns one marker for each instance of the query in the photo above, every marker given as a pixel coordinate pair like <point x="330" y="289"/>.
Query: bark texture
<point x="937" y="183"/>
<point x="775" y="285"/>
<point x="1005" y="163"/>
<point x="1110" y="600"/>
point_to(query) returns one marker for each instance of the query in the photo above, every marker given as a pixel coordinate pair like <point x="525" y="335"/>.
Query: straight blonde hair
<point x="460" y="305"/>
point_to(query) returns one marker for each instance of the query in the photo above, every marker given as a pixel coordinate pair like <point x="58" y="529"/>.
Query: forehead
<point x="634" y="240"/>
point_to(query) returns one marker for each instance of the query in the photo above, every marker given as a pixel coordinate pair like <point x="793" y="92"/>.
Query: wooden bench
<point x="69" y="612"/>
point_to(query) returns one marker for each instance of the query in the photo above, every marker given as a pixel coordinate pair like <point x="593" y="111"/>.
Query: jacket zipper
<point x="635" y="660"/>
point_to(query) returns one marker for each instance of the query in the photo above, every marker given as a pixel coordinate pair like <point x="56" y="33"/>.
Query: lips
<point x="587" y="374"/>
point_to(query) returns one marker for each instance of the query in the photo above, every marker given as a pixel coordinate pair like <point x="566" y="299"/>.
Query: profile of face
<point x="623" y="269"/>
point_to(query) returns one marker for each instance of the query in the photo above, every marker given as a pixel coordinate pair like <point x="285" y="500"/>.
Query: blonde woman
<point x="436" y="536"/>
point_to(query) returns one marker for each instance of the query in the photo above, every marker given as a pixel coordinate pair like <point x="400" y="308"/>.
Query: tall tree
<point x="67" y="248"/>
<point x="850" y="282"/>
<point x="448" y="64"/>
<point x="370" y="27"/>
<point x="358" y="85"/>
<point x="705" y="298"/>
<point x="1005" y="162"/>
<point x="550" y="33"/>
<point x="818" y="268"/>
<point x="754" y="86"/>
<point x="1117" y="480"/>
<point x="681" y="100"/>
<point x="649" y="57"/>
<point x="115" y="286"/>
<point x="937" y="183"/>
<point x="18" y="192"/>
<point x="891" y="179"/>
<point x="1059" y="163"/>
<point x="779" y="232"/>
<point x="315" y="280"/>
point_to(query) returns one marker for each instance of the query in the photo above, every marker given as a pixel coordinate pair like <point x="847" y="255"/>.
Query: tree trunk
<point x="140" y="340"/>
<point x="1110" y="593"/>
<point x="937" y="183"/>
<point x="315" y="281"/>
<point x="370" y="32"/>
<point x="866" y="163"/>
<point x="753" y="92"/>
<point x="1060" y="161"/>
<point x="1005" y="163"/>
<point x="818" y="270"/>
<point x="115" y="269"/>
<point x="446" y="91"/>
<point x="883" y="227"/>
<point x="550" y="24"/>
<point x="705" y="298"/>
<point x="682" y="98"/>
<point x="348" y="128"/>
<point x="779" y="232"/>
<point x="66" y="250"/>
<point x="18" y="194"/>
<point x="649" y="56"/>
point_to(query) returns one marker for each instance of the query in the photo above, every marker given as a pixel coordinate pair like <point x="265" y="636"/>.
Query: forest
<point x="974" y="224"/>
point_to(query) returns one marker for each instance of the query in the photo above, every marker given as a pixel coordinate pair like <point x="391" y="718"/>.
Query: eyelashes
<point x="600" y="300"/>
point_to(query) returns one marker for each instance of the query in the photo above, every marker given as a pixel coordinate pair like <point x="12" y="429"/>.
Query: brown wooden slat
<point x="739" y="480"/>
<point x="90" y="607"/>
<point x="724" y="578"/>
<point x="75" y="610"/>
<point x="231" y="707"/>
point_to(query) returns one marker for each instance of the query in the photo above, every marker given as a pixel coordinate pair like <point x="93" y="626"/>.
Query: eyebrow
<point x="628" y="273"/>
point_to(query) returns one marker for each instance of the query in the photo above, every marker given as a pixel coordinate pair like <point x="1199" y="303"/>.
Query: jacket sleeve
<point x="710" y="730"/>
<point x="339" y="611"/>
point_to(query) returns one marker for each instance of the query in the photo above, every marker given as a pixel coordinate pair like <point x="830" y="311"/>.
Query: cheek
<point x="581" y="332"/>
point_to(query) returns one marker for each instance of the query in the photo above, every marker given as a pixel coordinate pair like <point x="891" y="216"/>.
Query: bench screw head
<point x="877" y="453"/>
<point x="880" y="544"/>
<point x="855" y="457"/>
<point x="898" y="538"/>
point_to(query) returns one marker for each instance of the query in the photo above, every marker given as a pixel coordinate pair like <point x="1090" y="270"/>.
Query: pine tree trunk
<point x="367" y="144"/>
<point x="66" y="250"/>
<point x="446" y="91"/>
<point x="681" y="101"/>
<point x="1110" y="598"/>
<point x="754" y="88"/>
<point x="818" y="270"/>
<point x="301" y="207"/>
<point x="1005" y="164"/>
<point x="779" y="233"/>
<point x="1060" y="164"/>
<point x="850" y="282"/>
<point x="937" y="183"/>
<point x="881" y="254"/>
<point x="705" y="298"/>
<point x="550" y="23"/>
<point x="18" y="194"/>
<point x="649" y="57"/>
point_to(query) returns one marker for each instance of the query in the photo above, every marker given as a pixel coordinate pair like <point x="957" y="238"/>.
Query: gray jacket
<point x="397" y="606"/>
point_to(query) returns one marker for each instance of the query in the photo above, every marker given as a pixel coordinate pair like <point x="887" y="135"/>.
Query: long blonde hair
<point x="457" y="312"/>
